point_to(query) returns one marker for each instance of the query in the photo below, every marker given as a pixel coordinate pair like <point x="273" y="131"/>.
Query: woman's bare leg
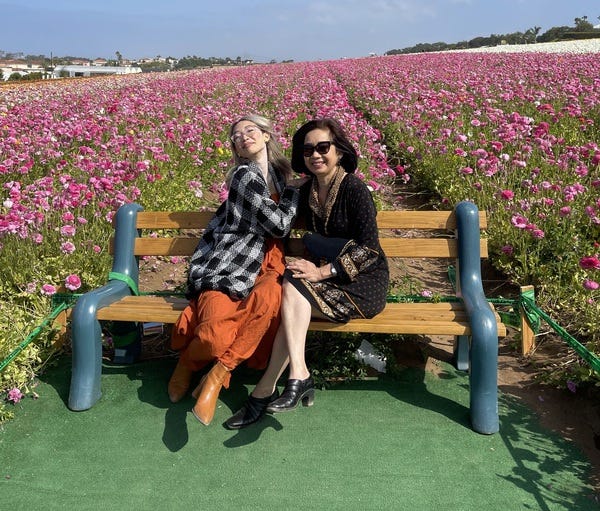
<point x="289" y="343"/>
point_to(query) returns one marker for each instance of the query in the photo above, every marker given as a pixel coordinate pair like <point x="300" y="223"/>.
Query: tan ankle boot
<point x="208" y="393"/>
<point x="179" y="382"/>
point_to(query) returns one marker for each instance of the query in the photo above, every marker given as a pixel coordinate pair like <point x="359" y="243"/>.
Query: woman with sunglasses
<point x="346" y="275"/>
<point x="235" y="273"/>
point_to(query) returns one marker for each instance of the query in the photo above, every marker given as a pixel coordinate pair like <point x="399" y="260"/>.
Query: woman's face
<point x="320" y="155"/>
<point x="248" y="140"/>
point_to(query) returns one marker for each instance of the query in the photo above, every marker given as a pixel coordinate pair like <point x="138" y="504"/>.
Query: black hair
<point x="349" y="160"/>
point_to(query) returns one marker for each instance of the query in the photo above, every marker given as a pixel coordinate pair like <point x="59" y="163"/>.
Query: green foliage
<point x="331" y="357"/>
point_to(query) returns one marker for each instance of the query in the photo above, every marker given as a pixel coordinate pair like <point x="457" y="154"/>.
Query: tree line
<point x="582" y="29"/>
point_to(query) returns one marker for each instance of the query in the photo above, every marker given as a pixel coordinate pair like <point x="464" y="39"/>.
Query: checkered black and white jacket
<point x="231" y="251"/>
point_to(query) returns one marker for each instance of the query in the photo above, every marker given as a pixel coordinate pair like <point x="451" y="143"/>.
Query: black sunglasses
<point x="320" y="147"/>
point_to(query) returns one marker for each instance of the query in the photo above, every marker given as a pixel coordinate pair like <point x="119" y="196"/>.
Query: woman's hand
<point x="303" y="269"/>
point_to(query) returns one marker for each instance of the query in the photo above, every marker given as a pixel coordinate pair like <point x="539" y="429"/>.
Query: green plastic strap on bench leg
<point x="113" y="275"/>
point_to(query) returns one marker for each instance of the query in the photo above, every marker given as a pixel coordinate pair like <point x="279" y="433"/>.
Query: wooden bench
<point x="454" y="235"/>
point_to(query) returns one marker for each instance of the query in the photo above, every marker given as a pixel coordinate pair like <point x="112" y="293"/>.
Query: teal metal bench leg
<point x="483" y="366"/>
<point x="483" y="373"/>
<point x="86" y="343"/>
<point x="86" y="330"/>
<point x="461" y="352"/>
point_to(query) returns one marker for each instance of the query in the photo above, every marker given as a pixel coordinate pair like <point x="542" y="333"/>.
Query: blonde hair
<point x="275" y="155"/>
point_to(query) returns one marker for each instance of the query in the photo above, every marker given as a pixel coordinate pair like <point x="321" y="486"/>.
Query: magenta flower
<point x="73" y="282"/>
<point x="589" y="263"/>
<point x="507" y="249"/>
<point x="15" y="395"/>
<point x="591" y="285"/>
<point x="507" y="194"/>
<point x="571" y="386"/>
<point x="48" y="290"/>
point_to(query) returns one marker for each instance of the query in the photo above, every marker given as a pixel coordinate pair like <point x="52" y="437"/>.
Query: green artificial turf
<point x="382" y="443"/>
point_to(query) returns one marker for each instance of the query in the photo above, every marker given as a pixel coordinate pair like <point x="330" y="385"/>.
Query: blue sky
<point x="266" y="29"/>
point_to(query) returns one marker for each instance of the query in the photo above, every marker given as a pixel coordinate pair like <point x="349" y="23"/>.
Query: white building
<point x="9" y="67"/>
<point x="87" y="71"/>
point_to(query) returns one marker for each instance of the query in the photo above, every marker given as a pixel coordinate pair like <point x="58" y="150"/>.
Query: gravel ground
<point x="583" y="46"/>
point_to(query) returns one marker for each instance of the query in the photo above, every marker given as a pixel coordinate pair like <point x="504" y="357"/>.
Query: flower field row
<point x="514" y="133"/>
<point x="517" y="134"/>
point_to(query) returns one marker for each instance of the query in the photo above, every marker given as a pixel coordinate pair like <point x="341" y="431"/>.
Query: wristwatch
<point x="333" y="271"/>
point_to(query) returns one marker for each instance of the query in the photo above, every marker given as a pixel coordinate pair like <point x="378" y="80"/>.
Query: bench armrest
<point x="469" y="257"/>
<point x="86" y="343"/>
<point x="124" y="259"/>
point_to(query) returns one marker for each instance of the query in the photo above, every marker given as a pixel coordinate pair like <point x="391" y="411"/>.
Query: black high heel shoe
<point x="294" y="392"/>
<point x="254" y="408"/>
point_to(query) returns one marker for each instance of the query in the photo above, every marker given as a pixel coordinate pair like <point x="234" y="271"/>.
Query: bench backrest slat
<point x="393" y="247"/>
<point x="173" y="219"/>
<point x="444" y="220"/>
<point x="391" y="223"/>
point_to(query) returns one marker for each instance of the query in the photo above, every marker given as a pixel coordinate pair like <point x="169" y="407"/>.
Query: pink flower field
<point x="515" y="133"/>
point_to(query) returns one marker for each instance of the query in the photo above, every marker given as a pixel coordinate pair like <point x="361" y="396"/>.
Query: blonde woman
<point x="235" y="274"/>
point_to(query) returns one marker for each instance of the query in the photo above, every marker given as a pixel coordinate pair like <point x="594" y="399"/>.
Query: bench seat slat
<point x="405" y="318"/>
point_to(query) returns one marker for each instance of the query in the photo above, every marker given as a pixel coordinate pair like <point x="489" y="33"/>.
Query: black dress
<point x="360" y="288"/>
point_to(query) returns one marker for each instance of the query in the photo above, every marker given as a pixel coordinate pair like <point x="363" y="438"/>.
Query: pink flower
<point x="15" y="395"/>
<point x="67" y="230"/>
<point x="507" y="249"/>
<point x="565" y="211"/>
<point x="426" y="293"/>
<point x="589" y="263"/>
<point x="538" y="233"/>
<point x="590" y="285"/>
<point x="97" y="249"/>
<point x="67" y="247"/>
<point x="467" y="170"/>
<point x="520" y="222"/>
<point x="571" y="386"/>
<point x="507" y="194"/>
<point x="73" y="282"/>
<point x="48" y="290"/>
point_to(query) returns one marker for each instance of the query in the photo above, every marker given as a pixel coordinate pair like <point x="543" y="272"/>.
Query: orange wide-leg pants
<point x="216" y="327"/>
